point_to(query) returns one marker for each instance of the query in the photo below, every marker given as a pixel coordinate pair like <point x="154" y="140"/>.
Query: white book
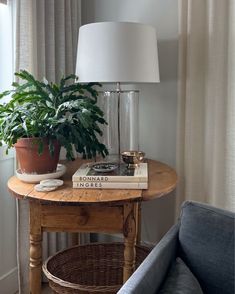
<point x="120" y="175"/>
<point x="110" y="185"/>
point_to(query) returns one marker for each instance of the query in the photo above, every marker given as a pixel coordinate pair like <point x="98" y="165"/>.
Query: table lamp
<point x="121" y="53"/>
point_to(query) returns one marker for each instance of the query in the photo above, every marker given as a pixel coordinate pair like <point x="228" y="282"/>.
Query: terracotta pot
<point x="31" y="162"/>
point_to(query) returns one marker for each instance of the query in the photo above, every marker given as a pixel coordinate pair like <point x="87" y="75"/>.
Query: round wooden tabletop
<point x="162" y="180"/>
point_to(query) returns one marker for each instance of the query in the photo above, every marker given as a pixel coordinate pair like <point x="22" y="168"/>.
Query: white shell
<point x="41" y="188"/>
<point x="51" y="183"/>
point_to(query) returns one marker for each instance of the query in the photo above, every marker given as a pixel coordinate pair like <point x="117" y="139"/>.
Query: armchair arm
<point x="151" y="273"/>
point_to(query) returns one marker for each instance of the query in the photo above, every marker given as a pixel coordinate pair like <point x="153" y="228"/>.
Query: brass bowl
<point x="132" y="158"/>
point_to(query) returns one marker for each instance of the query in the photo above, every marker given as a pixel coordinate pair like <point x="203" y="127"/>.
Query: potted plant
<point x="41" y="117"/>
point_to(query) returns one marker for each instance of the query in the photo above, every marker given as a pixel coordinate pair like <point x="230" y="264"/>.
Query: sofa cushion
<point x="206" y="242"/>
<point x="180" y="280"/>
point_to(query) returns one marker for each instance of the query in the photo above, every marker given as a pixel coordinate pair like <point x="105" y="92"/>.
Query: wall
<point x="158" y="102"/>
<point x="8" y="265"/>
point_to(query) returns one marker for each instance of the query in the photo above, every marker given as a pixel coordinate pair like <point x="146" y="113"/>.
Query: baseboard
<point x="148" y="244"/>
<point x="9" y="282"/>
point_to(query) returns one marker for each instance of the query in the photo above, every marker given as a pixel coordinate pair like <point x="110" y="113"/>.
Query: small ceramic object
<point x="41" y="188"/>
<point x="104" y="167"/>
<point x="52" y="183"/>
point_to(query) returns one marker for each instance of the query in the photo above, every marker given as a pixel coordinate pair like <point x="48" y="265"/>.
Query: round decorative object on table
<point x="132" y="158"/>
<point x="52" y="183"/>
<point x="36" y="178"/>
<point x="104" y="167"/>
<point x="41" y="188"/>
<point x="48" y="185"/>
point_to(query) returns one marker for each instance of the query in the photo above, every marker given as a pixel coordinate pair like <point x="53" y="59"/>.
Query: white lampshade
<point x="110" y="52"/>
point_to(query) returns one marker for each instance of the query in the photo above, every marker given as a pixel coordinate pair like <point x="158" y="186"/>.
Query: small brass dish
<point x="132" y="158"/>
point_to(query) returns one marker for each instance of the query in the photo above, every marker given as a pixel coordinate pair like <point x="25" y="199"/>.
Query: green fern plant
<point x="66" y="112"/>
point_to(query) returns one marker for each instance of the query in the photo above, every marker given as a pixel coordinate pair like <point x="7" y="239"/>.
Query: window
<point x="6" y="52"/>
<point x="6" y="58"/>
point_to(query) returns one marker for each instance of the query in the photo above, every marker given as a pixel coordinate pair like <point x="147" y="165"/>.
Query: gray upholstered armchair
<point x="195" y="256"/>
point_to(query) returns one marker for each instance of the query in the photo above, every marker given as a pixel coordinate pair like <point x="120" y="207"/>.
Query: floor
<point x="45" y="289"/>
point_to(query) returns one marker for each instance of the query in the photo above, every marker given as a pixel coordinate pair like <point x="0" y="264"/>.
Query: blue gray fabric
<point x="152" y="272"/>
<point x="180" y="280"/>
<point x="206" y="244"/>
<point x="204" y="238"/>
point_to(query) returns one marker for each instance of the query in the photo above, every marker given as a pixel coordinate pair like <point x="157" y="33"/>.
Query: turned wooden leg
<point x="35" y="248"/>
<point x="129" y="231"/>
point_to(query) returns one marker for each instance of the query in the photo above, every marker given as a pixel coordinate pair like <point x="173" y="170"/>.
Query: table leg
<point x="35" y="248"/>
<point x="130" y="234"/>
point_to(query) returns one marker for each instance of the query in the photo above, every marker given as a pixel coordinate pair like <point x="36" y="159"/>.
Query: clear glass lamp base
<point x="121" y="111"/>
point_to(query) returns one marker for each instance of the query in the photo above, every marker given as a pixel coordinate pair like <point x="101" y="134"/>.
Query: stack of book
<point x="120" y="178"/>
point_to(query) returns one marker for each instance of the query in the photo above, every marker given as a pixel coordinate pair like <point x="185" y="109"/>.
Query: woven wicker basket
<point x="92" y="268"/>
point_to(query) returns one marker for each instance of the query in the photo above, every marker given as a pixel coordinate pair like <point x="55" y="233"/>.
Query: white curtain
<point x="46" y="36"/>
<point x="46" y="33"/>
<point x="206" y="102"/>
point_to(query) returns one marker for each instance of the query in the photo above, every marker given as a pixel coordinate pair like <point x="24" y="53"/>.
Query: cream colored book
<point x="121" y="174"/>
<point x="110" y="185"/>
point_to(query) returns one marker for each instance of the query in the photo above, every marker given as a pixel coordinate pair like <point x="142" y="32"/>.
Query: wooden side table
<point x="80" y="210"/>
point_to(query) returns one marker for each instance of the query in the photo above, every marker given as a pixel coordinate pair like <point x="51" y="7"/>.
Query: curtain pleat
<point x="60" y="37"/>
<point x="230" y="121"/>
<point x="205" y="150"/>
<point x="75" y="23"/>
<point x="46" y="42"/>
<point x="50" y="40"/>
<point x="25" y="31"/>
<point x="41" y="38"/>
<point x="68" y="39"/>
